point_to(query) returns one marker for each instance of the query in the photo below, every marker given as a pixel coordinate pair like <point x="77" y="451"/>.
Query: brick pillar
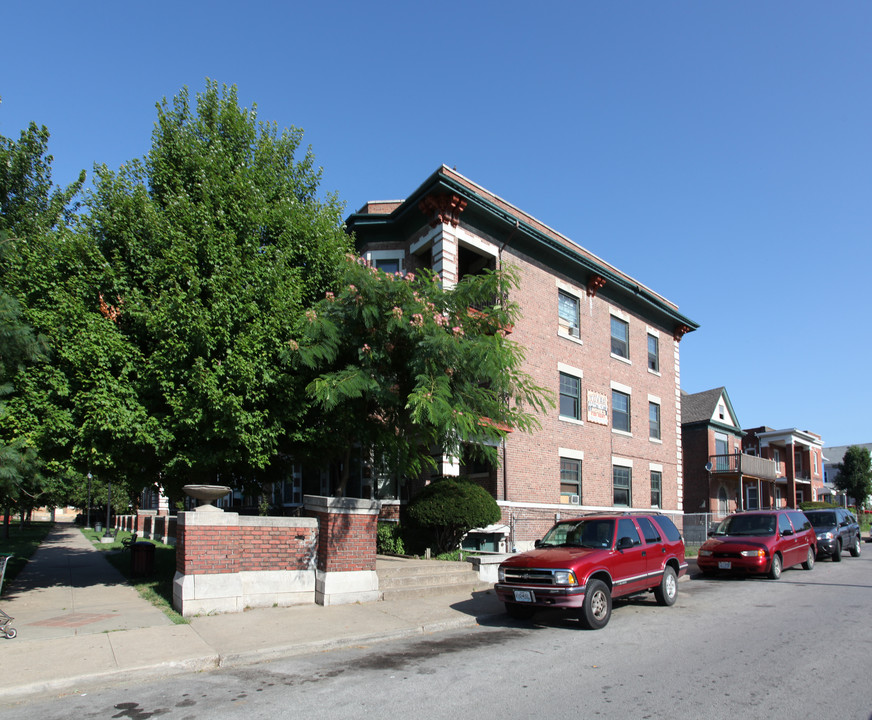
<point x="345" y="561"/>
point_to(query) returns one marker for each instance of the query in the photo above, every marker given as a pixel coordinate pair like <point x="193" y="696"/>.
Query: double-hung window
<point x="567" y="314"/>
<point x="622" y="479"/>
<point x="620" y="411"/>
<point x="570" y="396"/>
<point x="653" y="353"/>
<point x="570" y="479"/>
<point x="620" y="337"/>
<point x="656" y="488"/>
<point x="654" y="420"/>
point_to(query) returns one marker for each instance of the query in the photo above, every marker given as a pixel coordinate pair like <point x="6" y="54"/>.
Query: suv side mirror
<point x="624" y="543"/>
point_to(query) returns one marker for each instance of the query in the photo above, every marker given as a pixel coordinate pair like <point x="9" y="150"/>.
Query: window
<point x="621" y="479"/>
<point x="653" y="353"/>
<point x="653" y="421"/>
<point x="620" y="337"/>
<point x="388" y="265"/>
<point x="570" y="396"/>
<point x="389" y="261"/>
<point x="752" y="501"/>
<point x="721" y="412"/>
<point x="797" y="463"/>
<point x="567" y="313"/>
<point x="570" y="479"/>
<point x="723" y="504"/>
<point x="656" y="488"/>
<point x="627" y="530"/>
<point x="620" y="411"/>
<point x="651" y="533"/>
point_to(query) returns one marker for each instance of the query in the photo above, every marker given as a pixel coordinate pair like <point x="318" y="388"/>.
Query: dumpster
<point x="141" y="559"/>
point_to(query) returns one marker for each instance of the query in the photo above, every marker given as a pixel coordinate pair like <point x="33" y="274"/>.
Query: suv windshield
<point x="822" y="519"/>
<point x="747" y="525"/>
<point x="581" y="533"/>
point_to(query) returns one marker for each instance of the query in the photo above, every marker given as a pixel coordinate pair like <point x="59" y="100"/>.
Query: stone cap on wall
<point x="341" y="505"/>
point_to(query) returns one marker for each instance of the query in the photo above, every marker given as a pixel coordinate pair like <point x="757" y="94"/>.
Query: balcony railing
<point x="742" y="464"/>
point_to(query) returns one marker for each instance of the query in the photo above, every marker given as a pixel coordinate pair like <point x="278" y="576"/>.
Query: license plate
<point x="523" y="596"/>
<point x="725" y="565"/>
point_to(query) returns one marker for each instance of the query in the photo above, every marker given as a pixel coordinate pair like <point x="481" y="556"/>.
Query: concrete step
<point x="418" y="592"/>
<point x="409" y="577"/>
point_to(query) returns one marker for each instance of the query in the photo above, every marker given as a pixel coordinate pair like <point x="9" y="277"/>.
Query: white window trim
<point x="398" y="255"/>
<point x="626" y="389"/>
<point x="570" y="454"/>
<point x="570" y="370"/>
<point x="622" y="462"/>
<point x="655" y="467"/>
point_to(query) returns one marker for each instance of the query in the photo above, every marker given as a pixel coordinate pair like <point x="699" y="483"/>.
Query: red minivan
<point x="581" y="564"/>
<point x="762" y="542"/>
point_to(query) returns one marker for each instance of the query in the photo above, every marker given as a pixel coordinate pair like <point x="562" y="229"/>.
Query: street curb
<point x="72" y="685"/>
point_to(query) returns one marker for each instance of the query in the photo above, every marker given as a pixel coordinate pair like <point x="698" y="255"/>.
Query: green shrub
<point x="448" y="508"/>
<point x="389" y="539"/>
<point x="815" y="505"/>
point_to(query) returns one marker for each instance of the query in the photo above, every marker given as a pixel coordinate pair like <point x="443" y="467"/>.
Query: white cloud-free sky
<point x="718" y="152"/>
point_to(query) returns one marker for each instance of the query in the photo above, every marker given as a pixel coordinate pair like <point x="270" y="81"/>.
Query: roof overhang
<point x="499" y="219"/>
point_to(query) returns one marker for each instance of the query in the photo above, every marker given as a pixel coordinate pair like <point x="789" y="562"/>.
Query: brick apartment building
<point x="607" y="345"/>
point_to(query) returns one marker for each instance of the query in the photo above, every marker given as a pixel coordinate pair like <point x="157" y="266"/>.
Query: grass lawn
<point x="158" y="588"/>
<point x="22" y="543"/>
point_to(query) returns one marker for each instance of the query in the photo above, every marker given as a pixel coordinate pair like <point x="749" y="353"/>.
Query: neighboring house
<point x="832" y="459"/>
<point x="605" y="344"/>
<point x="798" y="458"/>
<point x="718" y="477"/>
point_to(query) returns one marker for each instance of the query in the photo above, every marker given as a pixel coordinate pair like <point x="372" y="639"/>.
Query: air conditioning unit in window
<point x="573" y="500"/>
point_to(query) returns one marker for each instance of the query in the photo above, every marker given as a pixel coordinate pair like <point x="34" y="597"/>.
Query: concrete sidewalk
<point x="80" y="625"/>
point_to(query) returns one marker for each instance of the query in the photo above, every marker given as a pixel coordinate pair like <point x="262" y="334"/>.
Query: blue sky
<point x="719" y="152"/>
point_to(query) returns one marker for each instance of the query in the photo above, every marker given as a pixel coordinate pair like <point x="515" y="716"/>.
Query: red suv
<point x="582" y="563"/>
<point x="761" y="542"/>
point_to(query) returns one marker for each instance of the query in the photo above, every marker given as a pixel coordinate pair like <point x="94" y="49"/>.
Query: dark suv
<point x="582" y="563"/>
<point x="759" y="542"/>
<point x="837" y="530"/>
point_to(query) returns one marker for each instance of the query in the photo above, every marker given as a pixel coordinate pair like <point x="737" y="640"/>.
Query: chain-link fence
<point x="696" y="526"/>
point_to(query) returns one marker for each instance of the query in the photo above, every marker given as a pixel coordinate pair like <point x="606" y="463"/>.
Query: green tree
<point x="31" y="209"/>
<point x="403" y="365"/>
<point x="217" y="241"/>
<point x="855" y="474"/>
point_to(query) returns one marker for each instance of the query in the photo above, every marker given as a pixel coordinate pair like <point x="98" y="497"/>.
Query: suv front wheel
<point x="855" y="548"/>
<point x="597" y="607"/>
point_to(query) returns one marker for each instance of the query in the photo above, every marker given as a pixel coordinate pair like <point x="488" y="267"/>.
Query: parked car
<point x="762" y="542"/>
<point x="837" y="530"/>
<point x="581" y="564"/>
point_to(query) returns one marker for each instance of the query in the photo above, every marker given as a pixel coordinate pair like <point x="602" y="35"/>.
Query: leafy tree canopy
<point x="216" y="242"/>
<point x="404" y="366"/>
<point x="855" y="474"/>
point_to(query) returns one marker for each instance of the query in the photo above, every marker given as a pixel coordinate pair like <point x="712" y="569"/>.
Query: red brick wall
<point x="346" y="542"/>
<point x="204" y="550"/>
<point x="533" y="460"/>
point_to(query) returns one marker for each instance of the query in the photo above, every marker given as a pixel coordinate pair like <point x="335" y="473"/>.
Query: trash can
<point x="141" y="559"/>
<point x="98" y="527"/>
